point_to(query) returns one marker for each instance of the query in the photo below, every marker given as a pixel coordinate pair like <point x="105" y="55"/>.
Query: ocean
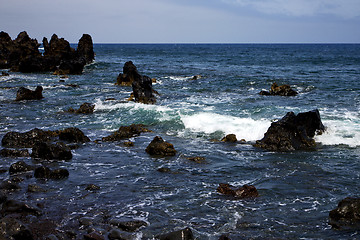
<point x="297" y="190"/>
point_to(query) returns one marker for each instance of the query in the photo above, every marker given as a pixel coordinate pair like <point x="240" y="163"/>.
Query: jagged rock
<point x="47" y="173"/>
<point x="293" y="132"/>
<point x="27" y="94"/>
<point x="13" y="206"/>
<point x="143" y="91"/>
<point x="27" y="139"/>
<point x="129" y="74"/>
<point x="126" y="132"/>
<point x="48" y="151"/>
<point x="22" y="54"/>
<point x="73" y="135"/>
<point x="161" y="148"/>
<point x="246" y="191"/>
<point x="85" y="48"/>
<point x="128" y="226"/>
<point x="5" y="152"/>
<point x="85" y="108"/>
<point x="20" y="167"/>
<point x="283" y="90"/>
<point x="229" y="138"/>
<point x="184" y="234"/>
<point x="347" y="214"/>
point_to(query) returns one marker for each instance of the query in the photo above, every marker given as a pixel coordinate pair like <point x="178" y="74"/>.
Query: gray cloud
<point x="342" y="8"/>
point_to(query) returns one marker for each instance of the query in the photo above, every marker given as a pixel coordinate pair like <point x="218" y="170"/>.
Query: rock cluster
<point x="23" y="55"/>
<point x="143" y="91"/>
<point x="293" y="132"/>
<point x="282" y="90"/>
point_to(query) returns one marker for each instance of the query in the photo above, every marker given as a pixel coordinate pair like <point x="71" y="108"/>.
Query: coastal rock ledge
<point x="293" y="132"/>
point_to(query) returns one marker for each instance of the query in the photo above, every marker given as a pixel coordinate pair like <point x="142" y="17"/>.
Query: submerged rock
<point x="48" y="151"/>
<point x="246" y="191"/>
<point x="183" y="234"/>
<point x="85" y="108"/>
<point x="160" y="148"/>
<point x="283" y="90"/>
<point x="347" y="214"/>
<point x="293" y="132"/>
<point x="13" y="206"/>
<point x="27" y="94"/>
<point x="47" y="173"/>
<point x="126" y="132"/>
<point x="12" y="228"/>
<point x="128" y="226"/>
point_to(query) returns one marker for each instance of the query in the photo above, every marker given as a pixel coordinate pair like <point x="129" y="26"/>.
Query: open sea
<point x="297" y="189"/>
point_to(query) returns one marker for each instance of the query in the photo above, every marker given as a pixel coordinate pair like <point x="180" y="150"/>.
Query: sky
<point x="185" y="21"/>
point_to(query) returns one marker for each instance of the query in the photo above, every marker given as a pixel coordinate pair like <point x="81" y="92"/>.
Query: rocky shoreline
<point x="23" y="220"/>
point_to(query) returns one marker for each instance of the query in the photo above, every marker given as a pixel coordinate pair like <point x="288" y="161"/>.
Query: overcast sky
<point x="186" y="21"/>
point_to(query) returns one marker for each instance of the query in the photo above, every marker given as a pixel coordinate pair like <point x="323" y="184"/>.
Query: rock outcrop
<point x="23" y="55"/>
<point x="347" y="214"/>
<point x="143" y="91"/>
<point x="159" y="147"/>
<point x="293" y="132"/>
<point x="246" y="191"/>
<point x="26" y="139"/>
<point x="85" y="108"/>
<point x="282" y="90"/>
<point x="27" y="94"/>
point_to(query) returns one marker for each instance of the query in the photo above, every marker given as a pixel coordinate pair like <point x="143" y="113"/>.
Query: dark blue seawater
<point x="297" y="190"/>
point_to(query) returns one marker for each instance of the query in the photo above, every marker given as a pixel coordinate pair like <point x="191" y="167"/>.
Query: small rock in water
<point x="20" y="167"/>
<point x="246" y="191"/>
<point x="229" y="138"/>
<point x="160" y="148"/>
<point x="27" y="94"/>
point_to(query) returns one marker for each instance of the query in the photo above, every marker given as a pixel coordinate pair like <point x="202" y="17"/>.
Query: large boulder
<point x="48" y="151"/>
<point x="293" y="132"/>
<point x="159" y="147"/>
<point x="85" y="108"/>
<point x="347" y="214"/>
<point x="27" y="94"/>
<point x="73" y="135"/>
<point x="47" y="173"/>
<point x="126" y="132"/>
<point x="20" y="167"/>
<point x="85" y="48"/>
<point x="282" y="90"/>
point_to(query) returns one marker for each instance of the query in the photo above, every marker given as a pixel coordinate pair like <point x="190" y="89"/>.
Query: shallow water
<point x="297" y="190"/>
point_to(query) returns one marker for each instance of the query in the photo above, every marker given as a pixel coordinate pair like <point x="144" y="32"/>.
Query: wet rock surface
<point x="27" y="94"/>
<point x="282" y="90"/>
<point x="15" y="153"/>
<point x="183" y="234"/>
<point x="47" y="173"/>
<point x="293" y="132"/>
<point x="346" y="215"/>
<point x="20" y="167"/>
<point x="246" y="191"/>
<point x="126" y="132"/>
<point x="49" y="151"/>
<point x="159" y="147"/>
<point x="85" y="108"/>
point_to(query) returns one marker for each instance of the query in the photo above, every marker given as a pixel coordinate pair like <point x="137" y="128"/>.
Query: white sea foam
<point x="244" y="128"/>
<point x="338" y="132"/>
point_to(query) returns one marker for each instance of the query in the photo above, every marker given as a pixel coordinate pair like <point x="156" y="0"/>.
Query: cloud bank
<point x="346" y="9"/>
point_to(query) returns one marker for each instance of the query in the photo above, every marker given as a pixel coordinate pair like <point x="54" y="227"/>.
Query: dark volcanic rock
<point x="246" y="191"/>
<point x="73" y="135"/>
<point x="283" y="90"/>
<point x="85" y="48"/>
<point x="184" y="234"/>
<point x="35" y="188"/>
<point x="47" y="173"/>
<point x="92" y="187"/>
<point x="48" y="151"/>
<point x="143" y="91"/>
<point x="128" y="226"/>
<point x="9" y="185"/>
<point x="5" y="152"/>
<point x="27" y="139"/>
<point x="347" y="214"/>
<point x="129" y="74"/>
<point x="126" y="132"/>
<point x="161" y="148"/>
<point x="11" y="228"/>
<point x="94" y="236"/>
<point x="22" y="54"/>
<point x="229" y="138"/>
<point x="20" y="167"/>
<point x="85" y="108"/>
<point x="27" y="94"/>
<point x="292" y="132"/>
<point x="13" y="206"/>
